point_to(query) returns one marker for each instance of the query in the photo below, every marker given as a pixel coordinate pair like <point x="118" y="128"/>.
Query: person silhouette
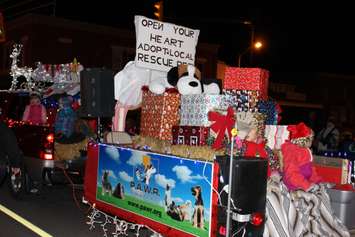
<point x="64" y="124"/>
<point x="10" y="149"/>
<point x="328" y="137"/>
<point x="35" y="112"/>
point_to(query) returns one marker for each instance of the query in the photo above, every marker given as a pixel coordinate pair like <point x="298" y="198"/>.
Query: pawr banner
<point x="170" y="190"/>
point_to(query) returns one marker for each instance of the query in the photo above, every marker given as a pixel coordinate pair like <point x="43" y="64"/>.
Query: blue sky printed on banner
<point x="181" y="174"/>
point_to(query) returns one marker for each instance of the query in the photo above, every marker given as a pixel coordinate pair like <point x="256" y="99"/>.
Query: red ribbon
<point x="222" y="123"/>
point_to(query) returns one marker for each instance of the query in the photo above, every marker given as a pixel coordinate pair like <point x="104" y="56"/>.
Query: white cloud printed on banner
<point x="177" y="200"/>
<point x="135" y="159"/>
<point x="207" y="212"/>
<point x="184" y="174"/>
<point x="113" y="153"/>
<point x="123" y="175"/>
<point x="137" y="192"/>
<point x="162" y="181"/>
<point x="112" y="175"/>
<point x="161" y="45"/>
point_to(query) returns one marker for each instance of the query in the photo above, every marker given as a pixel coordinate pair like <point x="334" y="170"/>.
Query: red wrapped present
<point x="190" y="135"/>
<point x="332" y="170"/>
<point x="255" y="79"/>
<point x="344" y="187"/>
<point x="159" y="113"/>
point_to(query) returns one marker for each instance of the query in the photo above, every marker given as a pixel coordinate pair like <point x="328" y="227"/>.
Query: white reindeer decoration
<point x="16" y="71"/>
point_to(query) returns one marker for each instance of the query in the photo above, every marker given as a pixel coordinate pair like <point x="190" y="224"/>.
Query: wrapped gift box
<point x="332" y="170"/>
<point x="190" y="135"/>
<point x="276" y="135"/>
<point x="159" y="114"/>
<point x="242" y="100"/>
<point x="248" y="120"/>
<point x="271" y="111"/>
<point x="195" y="108"/>
<point x="247" y="79"/>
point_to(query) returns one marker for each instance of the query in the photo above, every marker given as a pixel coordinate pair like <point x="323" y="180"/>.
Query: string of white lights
<point x="119" y="227"/>
<point x="60" y="75"/>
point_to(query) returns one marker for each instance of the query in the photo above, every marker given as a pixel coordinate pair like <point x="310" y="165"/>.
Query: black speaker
<point x="248" y="194"/>
<point x="97" y="92"/>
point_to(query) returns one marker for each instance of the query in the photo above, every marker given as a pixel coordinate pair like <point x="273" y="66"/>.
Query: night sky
<point x="301" y="39"/>
<point x="297" y="36"/>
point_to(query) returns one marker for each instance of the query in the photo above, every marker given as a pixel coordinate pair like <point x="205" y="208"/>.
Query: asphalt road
<point x="54" y="211"/>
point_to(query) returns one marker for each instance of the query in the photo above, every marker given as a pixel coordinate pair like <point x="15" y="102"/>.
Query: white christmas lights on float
<point x="120" y="227"/>
<point x="59" y="75"/>
<point x="17" y="71"/>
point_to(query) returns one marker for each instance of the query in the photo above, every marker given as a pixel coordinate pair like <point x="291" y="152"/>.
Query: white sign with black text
<point x="162" y="45"/>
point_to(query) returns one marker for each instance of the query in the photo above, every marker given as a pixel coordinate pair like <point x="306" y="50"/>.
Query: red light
<point x="48" y="156"/>
<point x="222" y="230"/>
<point x="257" y="219"/>
<point x="50" y="138"/>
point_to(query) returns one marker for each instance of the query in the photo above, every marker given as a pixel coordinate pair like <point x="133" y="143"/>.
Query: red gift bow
<point x="298" y="131"/>
<point x="222" y="123"/>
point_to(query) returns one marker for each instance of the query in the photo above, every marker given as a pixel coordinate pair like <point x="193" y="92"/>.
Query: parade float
<point x="167" y="177"/>
<point x="173" y="176"/>
<point x="43" y="154"/>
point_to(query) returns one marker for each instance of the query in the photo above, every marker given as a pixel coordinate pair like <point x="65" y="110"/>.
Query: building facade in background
<point x="53" y="40"/>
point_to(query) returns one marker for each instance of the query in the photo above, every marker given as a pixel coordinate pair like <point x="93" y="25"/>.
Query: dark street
<point x="54" y="212"/>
